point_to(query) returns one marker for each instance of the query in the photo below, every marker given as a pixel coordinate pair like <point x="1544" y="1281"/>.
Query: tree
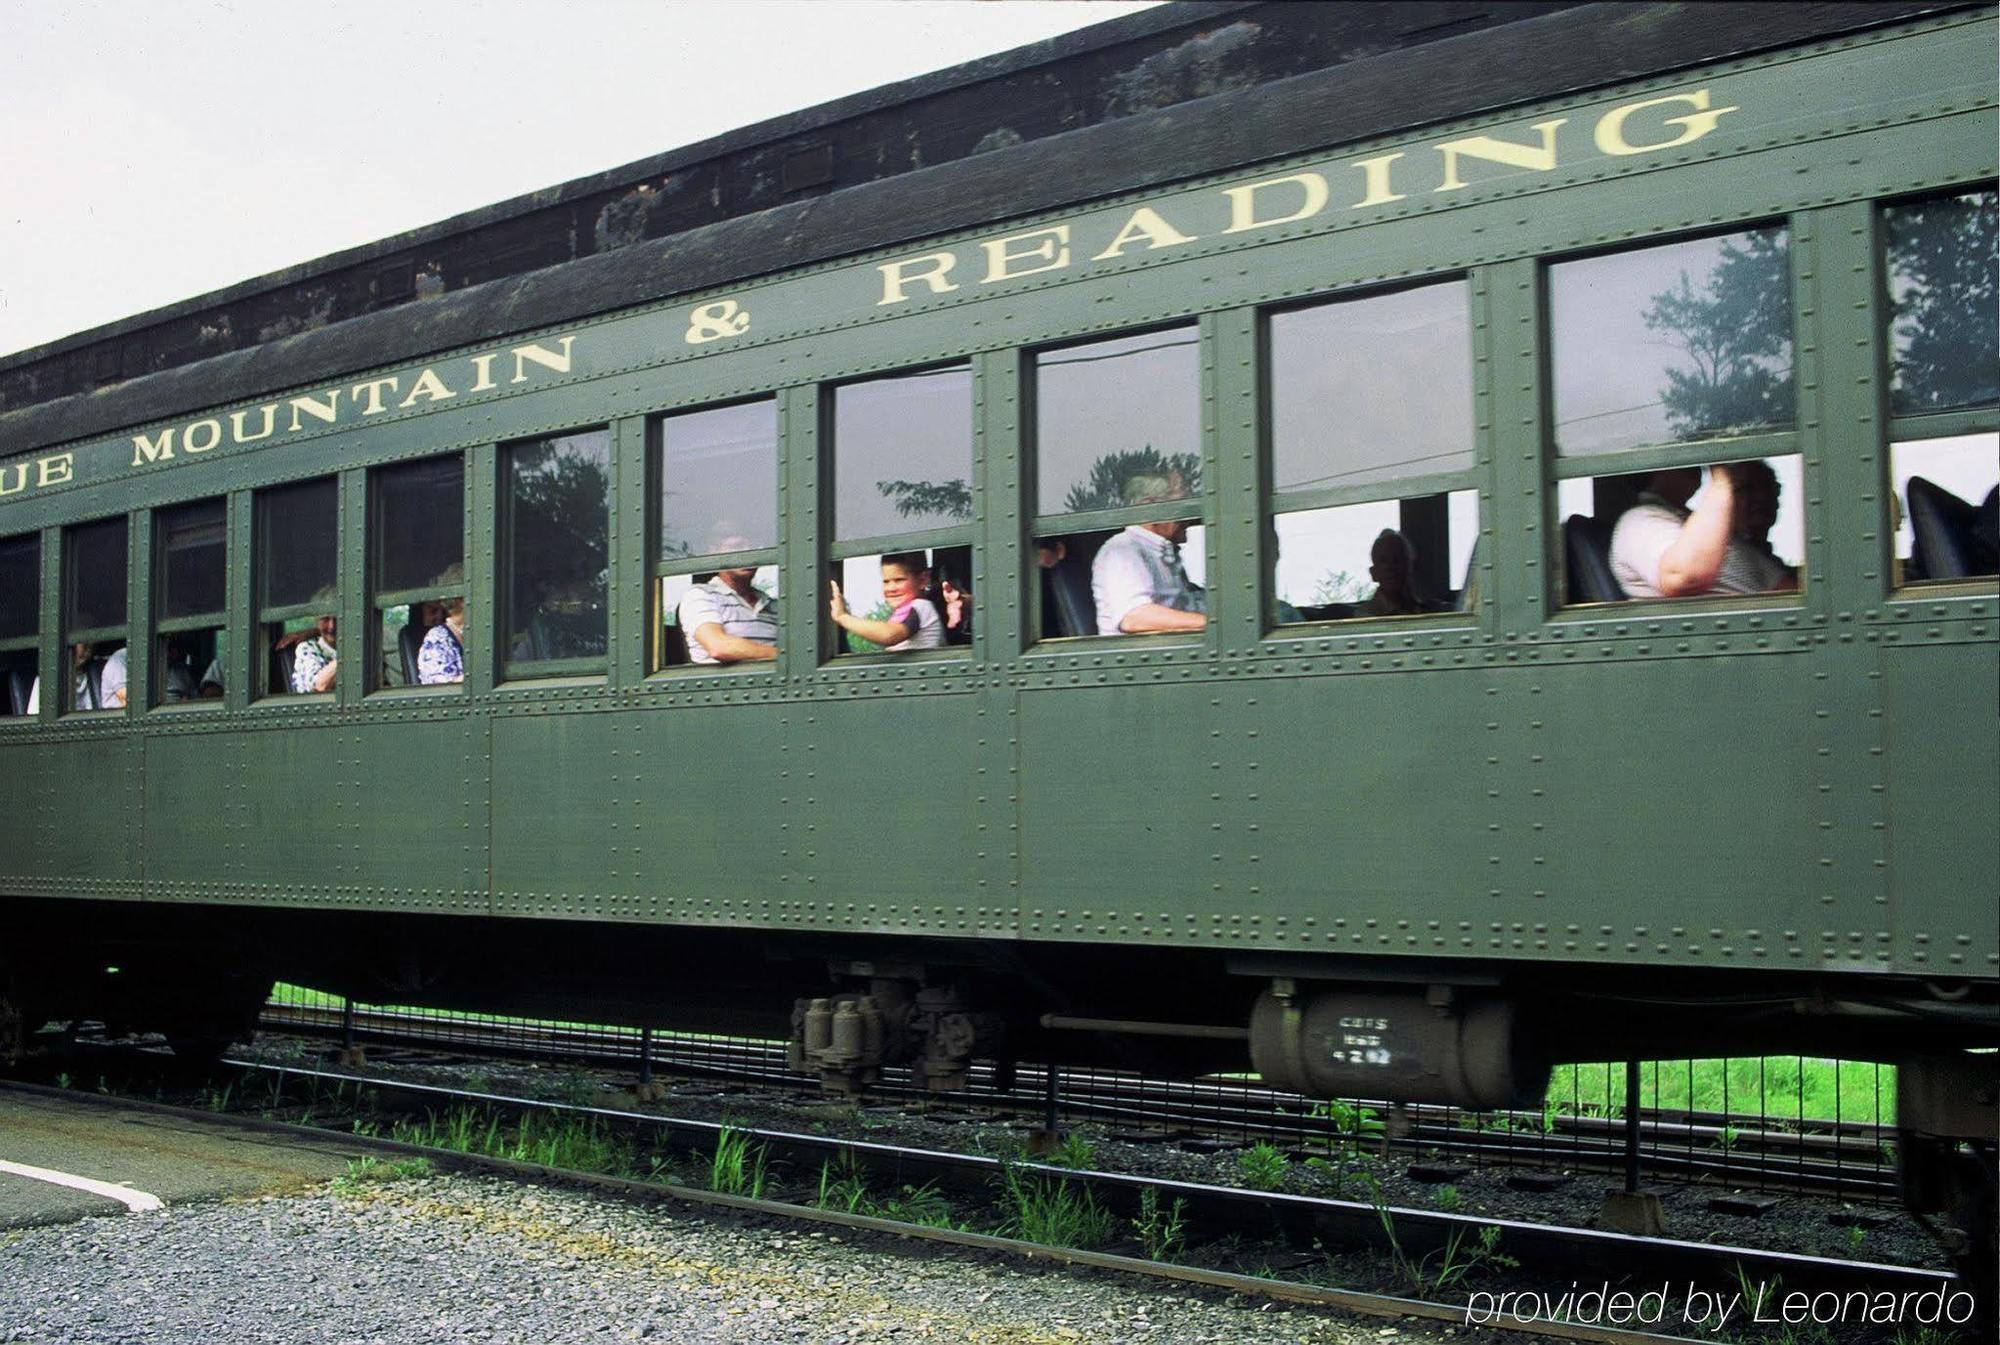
<point x="1110" y="476"/>
<point x="1945" y="291"/>
<point x="1736" y="330"/>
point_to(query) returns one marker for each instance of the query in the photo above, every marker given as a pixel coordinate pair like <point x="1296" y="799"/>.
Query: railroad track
<point x="1845" y="1160"/>
<point x="1553" y="1254"/>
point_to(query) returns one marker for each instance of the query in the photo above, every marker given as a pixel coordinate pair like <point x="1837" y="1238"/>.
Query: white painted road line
<point x="139" y="1202"/>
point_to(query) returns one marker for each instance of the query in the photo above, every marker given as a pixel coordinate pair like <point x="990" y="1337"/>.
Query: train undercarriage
<point x="850" y="1006"/>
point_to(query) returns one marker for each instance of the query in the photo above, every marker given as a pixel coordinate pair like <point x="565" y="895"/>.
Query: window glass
<point x="1617" y="530"/>
<point x="903" y="453"/>
<point x="298" y="542"/>
<point x="1944" y="293"/>
<point x="1391" y="557"/>
<point x="1687" y="341"/>
<point x="1111" y="410"/>
<point x="1948" y="519"/>
<point x="1371" y="389"/>
<point x="719" y="480"/>
<point x="297" y="585"/>
<point x="193" y="555"/>
<point x="558" y="554"/>
<point x="419" y="524"/>
<point x="926" y="592"/>
<point x="96" y="590"/>
<point x="20" y="587"/>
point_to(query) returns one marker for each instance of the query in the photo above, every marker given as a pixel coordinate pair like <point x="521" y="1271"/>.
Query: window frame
<point x="66" y="690"/>
<point x="264" y="615"/>
<point x="1055" y="527"/>
<point x="540" y="670"/>
<point x="662" y="567"/>
<point x="832" y="650"/>
<point x="1557" y="467"/>
<point x="1955" y="422"/>
<point x="163" y="626"/>
<point x="30" y="643"/>
<point x="1273" y="502"/>
<point x="376" y="600"/>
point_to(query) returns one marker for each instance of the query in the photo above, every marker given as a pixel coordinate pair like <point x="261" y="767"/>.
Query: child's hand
<point x="836" y="604"/>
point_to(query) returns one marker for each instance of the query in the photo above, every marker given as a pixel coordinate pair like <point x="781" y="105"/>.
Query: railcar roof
<point x="1172" y="93"/>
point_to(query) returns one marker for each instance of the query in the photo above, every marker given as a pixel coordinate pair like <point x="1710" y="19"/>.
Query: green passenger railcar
<point x="1428" y="797"/>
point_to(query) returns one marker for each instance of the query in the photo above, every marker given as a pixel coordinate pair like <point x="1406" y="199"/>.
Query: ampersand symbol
<point x="713" y="322"/>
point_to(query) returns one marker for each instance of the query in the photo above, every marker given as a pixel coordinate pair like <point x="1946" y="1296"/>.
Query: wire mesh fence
<point x="1753" y="1124"/>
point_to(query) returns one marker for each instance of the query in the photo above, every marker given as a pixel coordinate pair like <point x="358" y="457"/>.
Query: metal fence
<point x="1778" y="1123"/>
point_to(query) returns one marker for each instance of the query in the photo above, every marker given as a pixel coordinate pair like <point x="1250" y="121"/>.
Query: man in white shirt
<point x="1661" y="549"/>
<point x="1137" y="581"/>
<point x="730" y="620"/>
<point x="109" y="691"/>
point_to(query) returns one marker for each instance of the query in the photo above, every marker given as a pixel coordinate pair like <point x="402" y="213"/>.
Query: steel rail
<point x="1247" y="1286"/>
<point x="1588" y="1251"/>
<point x="1846" y="1162"/>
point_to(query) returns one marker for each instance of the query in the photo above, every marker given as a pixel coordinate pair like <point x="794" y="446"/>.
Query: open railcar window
<point x="901" y="573"/>
<point x="1119" y="536"/>
<point x="1676" y="452"/>
<point x="95" y="629"/>
<point x="716" y="571"/>
<point x="20" y="623"/>
<point x="190" y="602"/>
<point x="296" y="545"/>
<point x="1943" y="278"/>
<point x="417" y="546"/>
<point x="1374" y="508"/>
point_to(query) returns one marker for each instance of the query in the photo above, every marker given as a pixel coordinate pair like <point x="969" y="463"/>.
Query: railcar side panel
<point x="1944" y="795"/>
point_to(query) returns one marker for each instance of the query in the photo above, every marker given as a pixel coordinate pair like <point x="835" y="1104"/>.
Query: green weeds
<point x="737" y="1166"/>
<point x="1052" y="1211"/>
<point x="373" y="1171"/>
<point x="1263" y="1167"/>
<point x="1163" y="1233"/>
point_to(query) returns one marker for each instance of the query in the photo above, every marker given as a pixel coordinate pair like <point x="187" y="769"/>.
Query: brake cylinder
<point x="1396" y="1046"/>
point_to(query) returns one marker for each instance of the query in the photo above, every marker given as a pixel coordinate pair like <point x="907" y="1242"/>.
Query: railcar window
<point x="1111" y="408"/>
<point x="190" y="585"/>
<point x="556" y="572"/>
<point x="1943" y="277"/>
<point x="902" y="454"/>
<point x="717" y="478"/>
<point x="902" y="472"/>
<point x="1118" y="474"/>
<point x="1374" y="510"/>
<point x="417" y="530"/>
<point x="94" y="614"/>
<point x="1674" y="411"/>
<point x="296" y="543"/>
<point x="1670" y="344"/>
<point x="20" y="621"/>
<point x="1944" y="294"/>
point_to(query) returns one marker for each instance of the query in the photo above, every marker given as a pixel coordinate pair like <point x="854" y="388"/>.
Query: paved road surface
<point x="138" y="1154"/>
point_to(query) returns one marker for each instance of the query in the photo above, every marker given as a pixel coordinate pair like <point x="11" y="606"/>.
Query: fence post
<point x="1631" y="1127"/>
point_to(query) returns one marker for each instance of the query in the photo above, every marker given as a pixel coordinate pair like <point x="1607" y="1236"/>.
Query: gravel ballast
<point x="456" y="1258"/>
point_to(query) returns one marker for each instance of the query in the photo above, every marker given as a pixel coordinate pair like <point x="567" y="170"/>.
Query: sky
<point x="153" y="151"/>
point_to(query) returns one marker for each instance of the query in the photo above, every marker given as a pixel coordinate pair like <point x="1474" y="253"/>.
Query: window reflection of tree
<point x="1735" y="328"/>
<point x="561" y="551"/>
<point x="1944" y="284"/>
